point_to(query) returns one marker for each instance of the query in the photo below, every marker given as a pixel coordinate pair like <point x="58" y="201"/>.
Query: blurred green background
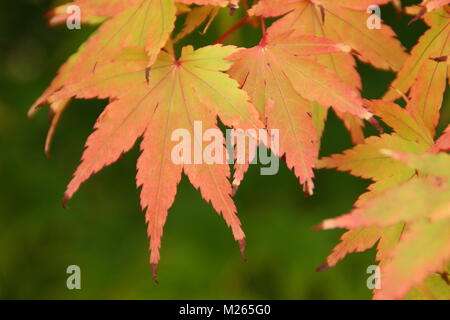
<point x="103" y="231"/>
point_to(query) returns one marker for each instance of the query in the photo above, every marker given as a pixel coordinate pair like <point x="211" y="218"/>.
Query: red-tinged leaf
<point x="282" y="93"/>
<point x="305" y="17"/>
<point x="145" y="23"/>
<point x="341" y="23"/>
<point x="423" y="249"/>
<point x="178" y="93"/>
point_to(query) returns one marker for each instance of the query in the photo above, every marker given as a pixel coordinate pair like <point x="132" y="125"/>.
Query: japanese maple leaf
<point x="423" y="204"/>
<point x="282" y="82"/>
<point x="378" y="214"/>
<point x="342" y="21"/>
<point x="145" y="23"/>
<point x="171" y="95"/>
<point x="422" y="75"/>
<point x="364" y="160"/>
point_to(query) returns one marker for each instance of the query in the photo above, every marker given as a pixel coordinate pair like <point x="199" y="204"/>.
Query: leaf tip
<point x="65" y="200"/>
<point x="323" y="267"/>
<point x="318" y="227"/>
<point x="308" y="187"/>
<point x="155" y="272"/>
<point x="235" y="187"/>
<point x="242" y="244"/>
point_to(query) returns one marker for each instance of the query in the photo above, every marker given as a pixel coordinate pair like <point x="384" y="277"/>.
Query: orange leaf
<point x="178" y="93"/>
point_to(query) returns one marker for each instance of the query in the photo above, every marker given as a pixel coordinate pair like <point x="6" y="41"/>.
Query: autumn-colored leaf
<point x="303" y="66"/>
<point x="344" y="23"/>
<point x="424" y="76"/>
<point x="178" y="93"/>
<point x="282" y="82"/>
<point x="410" y="188"/>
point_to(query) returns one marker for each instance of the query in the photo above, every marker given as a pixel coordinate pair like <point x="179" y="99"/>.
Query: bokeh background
<point x="103" y="231"/>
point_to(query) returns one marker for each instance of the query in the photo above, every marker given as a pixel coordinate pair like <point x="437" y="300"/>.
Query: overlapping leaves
<point x="303" y="66"/>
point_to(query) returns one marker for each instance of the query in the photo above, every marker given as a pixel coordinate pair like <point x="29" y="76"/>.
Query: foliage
<point x="304" y="65"/>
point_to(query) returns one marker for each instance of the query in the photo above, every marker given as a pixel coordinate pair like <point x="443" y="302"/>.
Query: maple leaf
<point x="282" y="82"/>
<point x="146" y="23"/>
<point x="424" y="76"/>
<point x="421" y="203"/>
<point x="303" y="66"/>
<point x="130" y="23"/>
<point x="178" y="93"/>
<point x="365" y="160"/>
<point x="398" y="200"/>
<point x="342" y="22"/>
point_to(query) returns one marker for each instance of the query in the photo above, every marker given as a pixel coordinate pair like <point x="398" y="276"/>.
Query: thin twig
<point x="230" y="31"/>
